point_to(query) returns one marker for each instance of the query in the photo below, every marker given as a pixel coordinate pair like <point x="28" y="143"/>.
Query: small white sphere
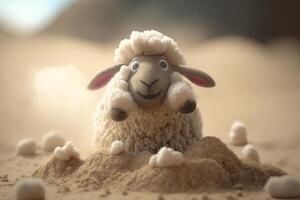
<point x="166" y="157"/>
<point x="30" y="189"/>
<point x="52" y="140"/>
<point x="60" y="154"/>
<point x="70" y="149"/>
<point x="238" y="134"/>
<point x="249" y="152"/>
<point x="66" y="152"/>
<point x="26" y="147"/>
<point x="117" y="147"/>
<point x="283" y="187"/>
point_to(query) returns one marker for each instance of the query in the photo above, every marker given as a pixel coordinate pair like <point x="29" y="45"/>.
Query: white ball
<point x="70" y="149"/>
<point x="29" y="189"/>
<point x="117" y="147"/>
<point x="66" y="152"/>
<point x="26" y="147"/>
<point x="52" y="140"/>
<point x="249" y="152"/>
<point x="283" y="187"/>
<point x="60" y="154"/>
<point x="238" y="134"/>
<point x="166" y="157"/>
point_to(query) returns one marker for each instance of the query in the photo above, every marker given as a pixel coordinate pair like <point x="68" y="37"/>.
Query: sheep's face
<point x="149" y="80"/>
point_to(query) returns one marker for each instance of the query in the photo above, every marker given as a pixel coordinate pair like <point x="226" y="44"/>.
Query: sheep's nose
<point x="149" y="84"/>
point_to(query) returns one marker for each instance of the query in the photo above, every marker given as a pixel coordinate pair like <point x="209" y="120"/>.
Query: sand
<point x="208" y="165"/>
<point x="257" y="84"/>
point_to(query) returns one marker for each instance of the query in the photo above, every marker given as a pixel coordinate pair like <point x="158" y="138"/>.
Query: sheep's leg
<point x="118" y="114"/>
<point x="188" y="107"/>
<point x="181" y="97"/>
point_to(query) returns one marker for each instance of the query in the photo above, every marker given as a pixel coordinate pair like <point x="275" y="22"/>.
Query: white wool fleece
<point x="178" y="93"/>
<point x="166" y="157"/>
<point x="117" y="91"/>
<point x="66" y="152"/>
<point x="149" y="42"/>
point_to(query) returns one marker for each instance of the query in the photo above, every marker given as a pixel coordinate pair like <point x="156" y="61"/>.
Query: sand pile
<point x="208" y="164"/>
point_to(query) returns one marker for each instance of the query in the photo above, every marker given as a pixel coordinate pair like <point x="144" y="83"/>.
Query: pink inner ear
<point x="198" y="80"/>
<point x="101" y="81"/>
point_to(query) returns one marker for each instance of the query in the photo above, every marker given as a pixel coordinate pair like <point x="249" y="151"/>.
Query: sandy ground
<point x="257" y="84"/>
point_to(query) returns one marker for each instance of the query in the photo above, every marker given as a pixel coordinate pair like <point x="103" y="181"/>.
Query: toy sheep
<point x="146" y="104"/>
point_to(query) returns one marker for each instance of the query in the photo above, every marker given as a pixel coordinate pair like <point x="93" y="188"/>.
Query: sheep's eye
<point x="135" y="65"/>
<point x="163" y="64"/>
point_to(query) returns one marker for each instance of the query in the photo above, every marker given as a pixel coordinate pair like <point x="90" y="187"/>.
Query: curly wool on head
<point x="148" y="42"/>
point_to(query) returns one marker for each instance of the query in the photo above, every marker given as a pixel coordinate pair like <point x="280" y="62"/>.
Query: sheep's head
<point x="152" y="62"/>
<point x="149" y="80"/>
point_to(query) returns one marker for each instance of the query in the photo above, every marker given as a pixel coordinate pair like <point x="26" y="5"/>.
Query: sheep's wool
<point x="143" y="130"/>
<point x="29" y="189"/>
<point x="166" y="157"/>
<point x="66" y="152"/>
<point x="283" y="187"/>
<point x="178" y="93"/>
<point x="149" y="42"/>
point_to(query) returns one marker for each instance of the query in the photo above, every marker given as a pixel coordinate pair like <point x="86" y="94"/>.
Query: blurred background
<point x="50" y="49"/>
<point x="103" y="21"/>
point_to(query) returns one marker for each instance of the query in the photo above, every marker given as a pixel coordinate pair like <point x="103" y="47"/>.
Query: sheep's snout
<point x="118" y="114"/>
<point x="151" y="83"/>
<point x="188" y="107"/>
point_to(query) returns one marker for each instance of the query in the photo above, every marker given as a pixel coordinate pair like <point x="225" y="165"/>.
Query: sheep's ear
<point x="103" y="77"/>
<point x="196" y="76"/>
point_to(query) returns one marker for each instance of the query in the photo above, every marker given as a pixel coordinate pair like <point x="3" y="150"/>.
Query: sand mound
<point x="208" y="164"/>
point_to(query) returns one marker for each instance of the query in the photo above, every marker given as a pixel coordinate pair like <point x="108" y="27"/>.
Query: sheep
<point x="147" y="105"/>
